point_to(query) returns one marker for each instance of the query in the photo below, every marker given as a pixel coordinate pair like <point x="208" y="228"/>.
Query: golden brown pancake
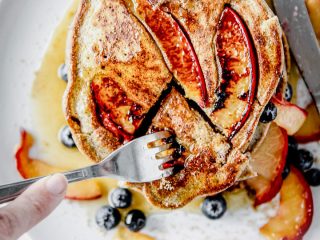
<point x="120" y="75"/>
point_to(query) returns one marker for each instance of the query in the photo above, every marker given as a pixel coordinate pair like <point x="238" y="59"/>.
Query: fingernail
<point x="56" y="184"/>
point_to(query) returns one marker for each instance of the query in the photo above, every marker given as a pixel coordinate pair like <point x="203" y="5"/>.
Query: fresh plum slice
<point x="31" y="168"/>
<point x="28" y="167"/>
<point x="310" y="130"/>
<point x="237" y="62"/>
<point x="265" y="190"/>
<point x="177" y="49"/>
<point x="295" y="213"/>
<point x="289" y="116"/>
<point x="84" y="190"/>
<point x="268" y="160"/>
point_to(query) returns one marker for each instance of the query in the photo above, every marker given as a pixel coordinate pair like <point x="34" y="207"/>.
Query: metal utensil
<point x="136" y="161"/>
<point x="296" y="23"/>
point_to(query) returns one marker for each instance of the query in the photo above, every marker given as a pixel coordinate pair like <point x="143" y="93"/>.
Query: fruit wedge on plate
<point x="290" y="116"/>
<point x="268" y="160"/>
<point x="31" y="168"/>
<point x="295" y="213"/>
<point x="310" y="130"/>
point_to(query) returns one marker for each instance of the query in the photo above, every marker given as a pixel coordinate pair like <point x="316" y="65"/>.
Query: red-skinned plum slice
<point x="295" y="213"/>
<point x="31" y="168"/>
<point x="268" y="160"/>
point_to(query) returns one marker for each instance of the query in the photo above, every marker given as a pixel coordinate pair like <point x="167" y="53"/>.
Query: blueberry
<point x="292" y="144"/>
<point x="269" y="113"/>
<point x="292" y="155"/>
<point x="285" y="171"/>
<point x="66" y="137"/>
<point x="63" y="72"/>
<point x="304" y="160"/>
<point x="313" y="177"/>
<point x="108" y="217"/>
<point x="214" y="207"/>
<point x="135" y="220"/>
<point x="120" y="198"/>
<point x="288" y="92"/>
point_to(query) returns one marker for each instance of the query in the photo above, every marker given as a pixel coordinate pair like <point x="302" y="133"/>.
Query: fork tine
<point x="154" y="136"/>
<point x="162" y="147"/>
<point x="153" y="152"/>
<point x="166" y="159"/>
<point x="161" y="141"/>
<point x="164" y="153"/>
<point x="157" y="143"/>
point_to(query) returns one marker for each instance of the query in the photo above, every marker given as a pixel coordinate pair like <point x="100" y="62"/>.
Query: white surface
<point x="25" y="237"/>
<point x="25" y="28"/>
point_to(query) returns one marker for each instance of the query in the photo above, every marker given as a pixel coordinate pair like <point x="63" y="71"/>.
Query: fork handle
<point x="11" y="191"/>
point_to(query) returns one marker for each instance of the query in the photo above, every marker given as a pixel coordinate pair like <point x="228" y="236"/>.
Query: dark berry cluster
<point x="109" y="216"/>
<point x="303" y="160"/>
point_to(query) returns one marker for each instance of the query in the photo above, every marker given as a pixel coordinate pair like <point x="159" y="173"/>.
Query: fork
<point x="136" y="161"/>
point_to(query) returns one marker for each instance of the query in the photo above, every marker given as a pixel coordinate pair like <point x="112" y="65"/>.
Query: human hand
<point x="32" y="206"/>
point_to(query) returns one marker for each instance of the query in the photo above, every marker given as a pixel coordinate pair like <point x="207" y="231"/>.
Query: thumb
<point x="32" y="206"/>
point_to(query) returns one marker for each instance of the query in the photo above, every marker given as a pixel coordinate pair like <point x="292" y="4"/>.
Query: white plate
<point x="25" y="28"/>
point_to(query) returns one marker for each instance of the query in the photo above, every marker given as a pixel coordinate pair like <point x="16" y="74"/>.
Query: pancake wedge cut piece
<point x="210" y="164"/>
<point x="116" y="74"/>
<point x="241" y="70"/>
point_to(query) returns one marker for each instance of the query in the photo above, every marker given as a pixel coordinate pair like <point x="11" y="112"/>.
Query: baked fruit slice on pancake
<point x="121" y="70"/>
